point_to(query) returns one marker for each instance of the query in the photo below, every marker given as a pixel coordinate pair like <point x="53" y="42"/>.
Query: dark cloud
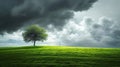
<point x="14" y="14"/>
<point x="7" y="22"/>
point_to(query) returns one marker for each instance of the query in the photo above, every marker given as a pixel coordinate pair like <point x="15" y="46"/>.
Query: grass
<point x="53" y="56"/>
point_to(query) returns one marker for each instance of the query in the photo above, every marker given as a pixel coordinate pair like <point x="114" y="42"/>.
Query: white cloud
<point x="15" y="35"/>
<point x="88" y="32"/>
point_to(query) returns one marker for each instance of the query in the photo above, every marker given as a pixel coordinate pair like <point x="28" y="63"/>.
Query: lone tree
<point x="34" y="33"/>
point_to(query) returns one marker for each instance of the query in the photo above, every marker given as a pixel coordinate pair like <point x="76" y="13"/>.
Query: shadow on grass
<point x="25" y="47"/>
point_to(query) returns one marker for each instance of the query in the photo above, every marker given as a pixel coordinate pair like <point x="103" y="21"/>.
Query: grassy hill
<point x="52" y="56"/>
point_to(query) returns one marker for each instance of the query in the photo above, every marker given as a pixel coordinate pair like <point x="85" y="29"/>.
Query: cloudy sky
<point x="86" y="23"/>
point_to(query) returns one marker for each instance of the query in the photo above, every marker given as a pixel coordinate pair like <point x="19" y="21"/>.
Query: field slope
<point x="52" y="56"/>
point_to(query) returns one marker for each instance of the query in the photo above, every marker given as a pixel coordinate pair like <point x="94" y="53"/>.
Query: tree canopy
<point x="34" y="33"/>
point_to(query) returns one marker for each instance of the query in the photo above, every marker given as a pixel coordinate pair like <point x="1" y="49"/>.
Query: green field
<point x="52" y="56"/>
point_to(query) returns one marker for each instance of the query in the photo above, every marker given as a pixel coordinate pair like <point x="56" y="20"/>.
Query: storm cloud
<point x="14" y="14"/>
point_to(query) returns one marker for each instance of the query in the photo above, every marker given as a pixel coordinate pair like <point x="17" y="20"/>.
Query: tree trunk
<point x="34" y="43"/>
